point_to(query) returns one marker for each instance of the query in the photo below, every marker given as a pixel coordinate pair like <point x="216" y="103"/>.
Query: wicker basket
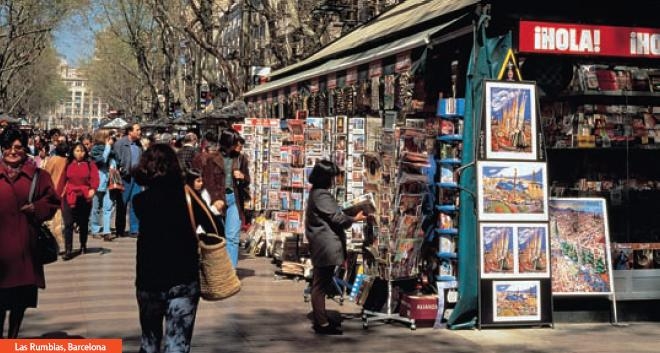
<point x="217" y="278"/>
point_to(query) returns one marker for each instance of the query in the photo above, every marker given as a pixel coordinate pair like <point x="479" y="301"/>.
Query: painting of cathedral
<point x="510" y="122"/>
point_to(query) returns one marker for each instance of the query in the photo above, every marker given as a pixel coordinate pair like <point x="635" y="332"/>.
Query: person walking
<point x="188" y="151"/>
<point x="237" y="180"/>
<point x="209" y="163"/>
<point x="55" y="166"/>
<point x="103" y="157"/>
<point x="324" y="229"/>
<point x="167" y="270"/>
<point x="128" y="150"/>
<point x="21" y="274"/>
<point x="77" y="187"/>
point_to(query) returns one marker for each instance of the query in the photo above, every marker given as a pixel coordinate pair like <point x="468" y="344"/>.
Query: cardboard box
<point x="421" y="308"/>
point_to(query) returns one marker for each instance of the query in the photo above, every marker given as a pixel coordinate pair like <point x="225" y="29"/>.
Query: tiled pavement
<point x="93" y="296"/>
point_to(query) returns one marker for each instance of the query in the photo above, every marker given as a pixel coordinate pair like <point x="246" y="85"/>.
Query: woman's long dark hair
<point x="158" y="164"/>
<point x="228" y="139"/>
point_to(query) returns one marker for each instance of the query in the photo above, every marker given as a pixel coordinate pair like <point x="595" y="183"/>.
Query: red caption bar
<point x="107" y="345"/>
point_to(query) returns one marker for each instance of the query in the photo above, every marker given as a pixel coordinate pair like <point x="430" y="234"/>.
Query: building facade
<point x="80" y="108"/>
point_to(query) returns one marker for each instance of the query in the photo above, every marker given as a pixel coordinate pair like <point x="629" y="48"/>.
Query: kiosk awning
<point x="391" y="48"/>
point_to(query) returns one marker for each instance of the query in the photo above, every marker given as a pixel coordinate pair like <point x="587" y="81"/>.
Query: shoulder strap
<point x="191" y="195"/>
<point x="33" y="185"/>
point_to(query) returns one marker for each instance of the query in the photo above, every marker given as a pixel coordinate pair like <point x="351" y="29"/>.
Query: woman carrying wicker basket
<point x="167" y="279"/>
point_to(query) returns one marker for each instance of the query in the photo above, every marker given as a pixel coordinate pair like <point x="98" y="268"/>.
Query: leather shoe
<point x="327" y="330"/>
<point x="67" y="256"/>
<point x="335" y="323"/>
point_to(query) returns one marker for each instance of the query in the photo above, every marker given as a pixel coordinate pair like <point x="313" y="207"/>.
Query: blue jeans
<point x="131" y="188"/>
<point x="232" y="229"/>
<point x="178" y="306"/>
<point x="101" y="209"/>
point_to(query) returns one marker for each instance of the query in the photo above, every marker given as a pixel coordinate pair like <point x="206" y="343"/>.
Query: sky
<point x="74" y="41"/>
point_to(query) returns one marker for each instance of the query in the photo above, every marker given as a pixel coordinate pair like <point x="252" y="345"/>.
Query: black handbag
<point x="47" y="248"/>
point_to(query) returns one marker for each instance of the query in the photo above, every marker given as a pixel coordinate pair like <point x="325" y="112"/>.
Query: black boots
<point x="327" y="330"/>
<point x="83" y="249"/>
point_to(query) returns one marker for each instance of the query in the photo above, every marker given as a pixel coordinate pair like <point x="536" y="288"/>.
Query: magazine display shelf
<point x="604" y="132"/>
<point x="446" y="210"/>
<point x="448" y="163"/>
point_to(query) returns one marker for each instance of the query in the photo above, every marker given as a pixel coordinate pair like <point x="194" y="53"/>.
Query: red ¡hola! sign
<point x="574" y="39"/>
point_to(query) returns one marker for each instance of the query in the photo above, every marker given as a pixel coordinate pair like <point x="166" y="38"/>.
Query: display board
<point x="580" y="247"/>
<point x="515" y="286"/>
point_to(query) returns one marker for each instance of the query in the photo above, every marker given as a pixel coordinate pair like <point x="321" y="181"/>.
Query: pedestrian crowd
<point x="88" y="181"/>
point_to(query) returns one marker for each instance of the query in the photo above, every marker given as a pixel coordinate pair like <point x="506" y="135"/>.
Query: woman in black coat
<point x="324" y="229"/>
<point x="167" y="277"/>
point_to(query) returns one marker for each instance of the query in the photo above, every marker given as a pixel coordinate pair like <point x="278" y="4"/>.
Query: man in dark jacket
<point x="188" y="150"/>
<point x="324" y="228"/>
<point x="128" y="151"/>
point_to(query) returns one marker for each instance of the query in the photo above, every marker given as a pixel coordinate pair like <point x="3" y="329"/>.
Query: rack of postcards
<point x="400" y="248"/>
<point x="257" y="134"/>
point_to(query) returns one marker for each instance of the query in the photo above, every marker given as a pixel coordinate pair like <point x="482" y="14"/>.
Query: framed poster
<point x="514" y="250"/>
<point x="580" y="247"/>
<point x="532" y="250"/>
<point x="497" y="250"/>
<point x="516" y="301"/>
<point x="510" y="126"/>
<point x="512" y="191"/>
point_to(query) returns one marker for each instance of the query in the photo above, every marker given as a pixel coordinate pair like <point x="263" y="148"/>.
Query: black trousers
<point x="120" y="212"/>
<point x="321" y="281"/>
<point x="78" y="215"/>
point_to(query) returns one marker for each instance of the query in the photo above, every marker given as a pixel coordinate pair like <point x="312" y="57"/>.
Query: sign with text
<point x="577" y="39"/>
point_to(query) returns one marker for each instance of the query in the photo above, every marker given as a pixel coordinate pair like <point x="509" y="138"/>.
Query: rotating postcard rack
<point x="401" y="246"/>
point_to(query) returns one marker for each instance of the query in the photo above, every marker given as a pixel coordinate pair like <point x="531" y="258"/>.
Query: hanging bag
<point x="217" y="277"/>
<point x="114" y="180"/>
<point x="47" y="248"/>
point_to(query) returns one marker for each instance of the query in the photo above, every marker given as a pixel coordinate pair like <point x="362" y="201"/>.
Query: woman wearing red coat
<point x="77" y="188"/>
<point x="20" y="273"/>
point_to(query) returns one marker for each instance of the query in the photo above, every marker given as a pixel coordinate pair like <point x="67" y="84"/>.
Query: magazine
<point x="364" y="203"/>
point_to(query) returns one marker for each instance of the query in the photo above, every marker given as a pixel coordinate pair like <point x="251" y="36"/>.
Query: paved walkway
<point x="93" y="296"/>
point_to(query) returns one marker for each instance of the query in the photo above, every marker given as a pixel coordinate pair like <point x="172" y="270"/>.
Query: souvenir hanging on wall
<point x="323" y="104"/>
<point x="362" y="97"/>
<point x="349" y="98"/>
<point x="375" y="93"/>
<point x="404" y="93"/>
<point x="313" y="103"/>
<point x="389" y="92"/>
<point x="340" y="102"/>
